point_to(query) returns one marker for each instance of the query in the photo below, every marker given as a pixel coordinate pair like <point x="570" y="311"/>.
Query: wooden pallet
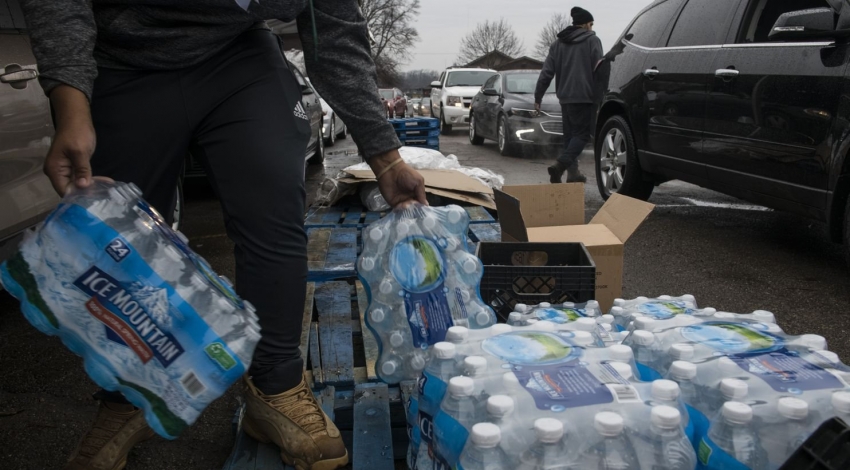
<point x="357" y="216"/>
<point x="332" y="252"/>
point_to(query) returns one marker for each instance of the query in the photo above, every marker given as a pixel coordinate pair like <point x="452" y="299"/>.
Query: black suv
<point x="750" y="98"/>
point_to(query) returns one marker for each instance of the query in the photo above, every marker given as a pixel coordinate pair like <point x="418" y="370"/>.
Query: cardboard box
<point x="446" y="183"/>
<point x="555" y="213"/>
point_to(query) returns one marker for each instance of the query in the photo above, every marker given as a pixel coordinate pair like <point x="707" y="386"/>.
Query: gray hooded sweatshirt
<point x="72" y="38"/>
<point x="572" y="60"/>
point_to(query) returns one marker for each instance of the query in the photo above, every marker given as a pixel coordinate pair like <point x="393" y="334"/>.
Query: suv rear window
<point x="468" y="78"/>
<point x="703" y="23"/>
<point x="649" y="26"/>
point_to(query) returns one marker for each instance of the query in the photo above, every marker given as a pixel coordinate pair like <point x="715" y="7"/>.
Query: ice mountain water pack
<point x="421" y="280"/>
<point x="150" y="318"/>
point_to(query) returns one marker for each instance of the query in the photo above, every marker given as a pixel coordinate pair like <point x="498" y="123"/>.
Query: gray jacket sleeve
<point x="595" y="52"/>
<point x="340" y="66"/>
<point x="63" y="34"/>
<point x="546" y="74"/>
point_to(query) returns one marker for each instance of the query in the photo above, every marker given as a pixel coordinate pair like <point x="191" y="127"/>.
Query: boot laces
<point x="105" y="427"/>
<point x="302" y="409"/>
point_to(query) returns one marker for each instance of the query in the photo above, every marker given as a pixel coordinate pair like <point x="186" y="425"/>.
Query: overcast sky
<point x="442" y="23"/>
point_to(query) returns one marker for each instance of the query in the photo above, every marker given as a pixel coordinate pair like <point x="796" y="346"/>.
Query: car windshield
<point x="468" y="78"/>
<point x="524" y="83"/>
<point x="386" y="94"/>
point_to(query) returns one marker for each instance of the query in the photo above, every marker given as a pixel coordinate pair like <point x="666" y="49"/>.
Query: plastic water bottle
<point x="683" y="373"/>
<point x="515" y="319"/>
<point x="500" y="411"/>
<point x="548" y="451"/>
<point x="671" y="449"/>
<point x="647" y="354"/>
<point x="731" y="441"/>
<point x="475" y="367"/>
<point x="763" y="316"/>
<point x="732" y="390"/>
<point x="622" y="353"/>
<point x="591" y="308"/>
<point x="666" y="393"/>
<point x="458" y="413"/>
<point x="614" y="451"/>
<point x="623" y="370"/>
<point x="431" y="388"/>
<point x="782" y="438"/>
<point x="840" y="402"/>
<point x="483" y="451"/>
<point x="676" y="352"/>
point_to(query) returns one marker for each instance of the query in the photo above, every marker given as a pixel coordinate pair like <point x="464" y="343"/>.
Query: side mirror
<point x="490" y="92"/>
<point x="436" y="84"/>
<point x="802" y="24"/>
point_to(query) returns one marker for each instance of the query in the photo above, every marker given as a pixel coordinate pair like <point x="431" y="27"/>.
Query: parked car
<point x="745" y="97"/>
<point x="452" y="95"/>
<point x="332" y="126"/>
<point x="391" y="97"/>
<point x="425" y="106"/>
<point x="503" y="110"/>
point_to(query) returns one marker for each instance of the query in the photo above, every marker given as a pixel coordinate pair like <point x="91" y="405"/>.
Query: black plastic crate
<point x="531" y="273"/>
<point x="828" y="448"/>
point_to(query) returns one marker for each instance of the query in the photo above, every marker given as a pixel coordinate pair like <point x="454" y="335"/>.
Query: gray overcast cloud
<point x="442" y="23"/>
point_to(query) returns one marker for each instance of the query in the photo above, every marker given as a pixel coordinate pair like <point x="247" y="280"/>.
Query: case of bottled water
<point x="421" y="280"/>
<point x="150" y="318"/>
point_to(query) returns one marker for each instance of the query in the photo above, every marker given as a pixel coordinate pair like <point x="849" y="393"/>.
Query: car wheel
<point x="474" y="138"/>
<point x="332" y="139"/>
<point x="179" y="204"/>
<point x="445" y="128"/>
<point x="319" y="157"/>
<point x="615" y="153"/>
<point x="505" y="146"/>
<point x="344" y="132"/>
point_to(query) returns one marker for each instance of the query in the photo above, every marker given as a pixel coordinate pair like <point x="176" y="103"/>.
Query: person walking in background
<point x="572" y="61"/>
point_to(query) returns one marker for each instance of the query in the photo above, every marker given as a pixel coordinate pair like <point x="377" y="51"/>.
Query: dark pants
<point x="234" y="112"/>
<point x="577" y="119"/>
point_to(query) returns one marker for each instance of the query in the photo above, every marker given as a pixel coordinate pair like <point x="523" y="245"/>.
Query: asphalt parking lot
<point x="730" y="254"/>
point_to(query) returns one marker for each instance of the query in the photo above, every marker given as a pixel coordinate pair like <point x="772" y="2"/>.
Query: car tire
<point x="445" y="128"/>
<point x="344" y="132"/>
<point x="474" y="138"/>
<point x="319" y="156"/>
<point x="332" y="139"/>
<point x="506" y="148"/>
<point x="615" y="151"/>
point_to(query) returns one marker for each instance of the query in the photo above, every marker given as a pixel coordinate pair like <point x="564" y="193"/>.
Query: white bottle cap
<point x="544" y="305"/>
<point x="367" y="264"/>
<point x="470" y="265"/>
<point x="608" y="423"/>
<point x="457" y="334"/>
<point x="429" y="222"/>
<point x="607" y="327"/>
<point x="841" y="402"/>
<point x="402" y="228"/>
<point x="464" y="294"/>
<point x="377" y="315"/>
<point x="728" y="366"/>
<point x="417" y="362"/>
<point x="500" y="405"/>
<point x="475" y="365"/>
<point x="514" y="317"/>
<point x="829" y="356"/>
<point x="582" y="338"/>
<point x="585" y="324"/>
<point x="461" y="386"/>
<point x="386" y="287"/>
<point x="664" y="389"/>
<point x="813" y="341"/>
<point x="482" y="317"/>
<point x="486" y="435"/>
<point x="724" y="315"/>
<point x="376" y="234"/>
<point x="521" y="308"/>
<point x="641" y="298"/>
<point x="683" y="370"/>
<point x="389" y="367"/>
<point x="645" y="323"/>
<point x="545" y="325"/>
<point x="591" y="307"/>
<point x="623" y="369"/>
<point x="509" y="380"/>
<point x="548" y="430"/>
<point x="643" y="337"/>
<point x="531" y="321"/>
<point x="689" y="298"/>
<point x="737" y="413"/>
<point x="793" y="408"/>
<point x="620" y="352"/>
<point x="665" y="417"/>
<point x="396" y="339"/>
<point x="606" y="318"/>
<point x="454" y="215"/>
<point x="619" y="302"/>
<point x="681" y="352"/>
<point x="617" y="311"/>
<point x="665" y="297"/>
<point x="708" y="311"/>
<point x="444" y="350"/>
<point x="734" y="389"/>
<point x="500" y="328"/>
<point x="764" y="316"/>
<point x="569" y="304"/>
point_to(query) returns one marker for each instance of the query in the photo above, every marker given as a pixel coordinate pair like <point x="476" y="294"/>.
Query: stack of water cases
<point x="653" y="384"/>
<point x="121" y="289"/>
<point x="421" y="280"/>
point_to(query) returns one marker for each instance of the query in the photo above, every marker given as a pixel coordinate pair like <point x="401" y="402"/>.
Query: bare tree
<point x="549" y="34"/>
<point x="391" y="25"/>
<point x="488" y="37"/>
<point x="418" y="79"/>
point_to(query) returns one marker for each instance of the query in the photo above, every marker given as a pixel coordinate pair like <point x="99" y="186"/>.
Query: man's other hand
<point x="67" y="161"/>
<point x="400" y="185"/>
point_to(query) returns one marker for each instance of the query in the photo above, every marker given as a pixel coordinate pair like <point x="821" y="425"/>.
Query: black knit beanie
<point x="581" y="16"/>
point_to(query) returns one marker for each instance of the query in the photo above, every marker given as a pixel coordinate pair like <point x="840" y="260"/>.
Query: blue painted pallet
<point x="491" y="232"/>
<point x="417" y="122"/>
<point x="414" y="133"/>
<point x="332" y="253"/>
<point x="336" y="351"/>
<point x="426" y="142"/>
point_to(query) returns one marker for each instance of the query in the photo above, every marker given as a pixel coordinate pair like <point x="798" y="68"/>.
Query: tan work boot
<point x="293" y="421"/>
<point x="116" y="429"/>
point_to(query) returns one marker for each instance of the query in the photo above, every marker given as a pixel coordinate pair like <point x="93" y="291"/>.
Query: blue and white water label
<point x="449" y="440"/>
<point x="664" y="309"/>
<point x="786" y="372"/>
<point x="431" y="392"/>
